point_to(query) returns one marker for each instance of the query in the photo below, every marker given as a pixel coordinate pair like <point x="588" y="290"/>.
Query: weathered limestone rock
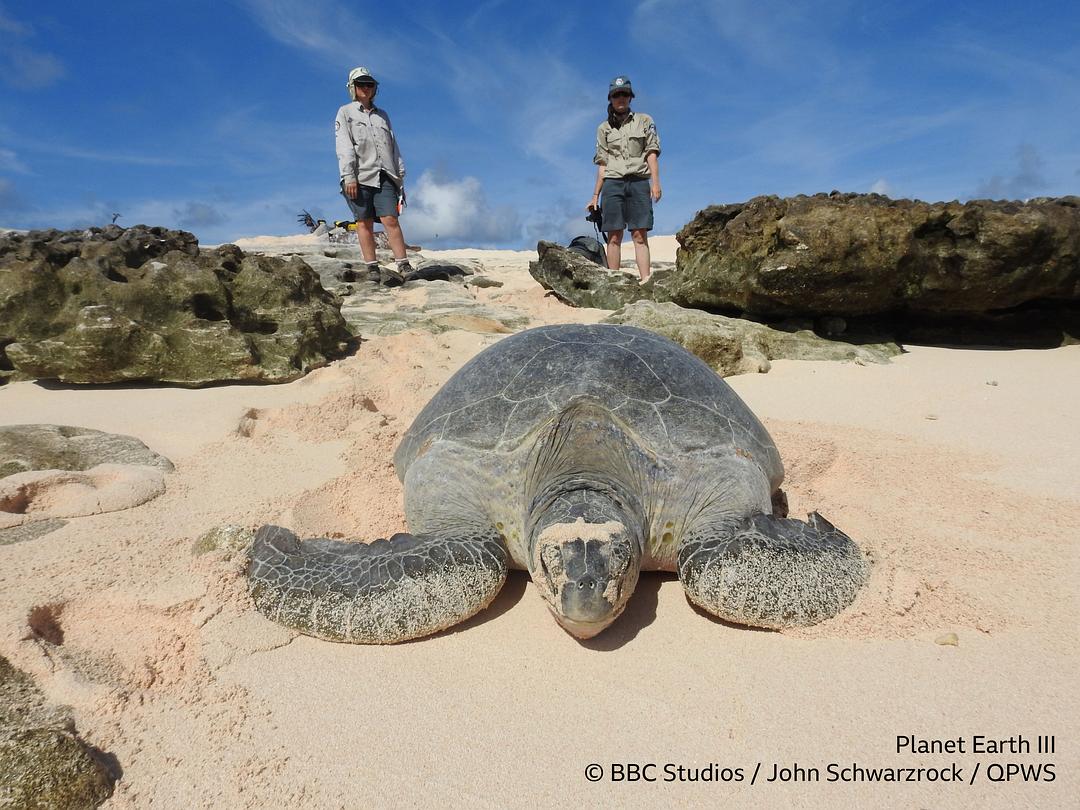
<point x="867" y="255"/>
<point x="583" y="283"/>
<point x="51" y="472"/>
<point x="64" y="447"/>
<point x="738" y="346"/>
<point x="113" y="304"/>
<point x="437" y="297"/>
<point x="443" y="306"/>
<point x="43" y="761"/>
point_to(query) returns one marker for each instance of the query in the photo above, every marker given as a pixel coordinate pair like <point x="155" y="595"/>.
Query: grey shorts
<point x="374" y="202"/>
<point x="626" y="204"/>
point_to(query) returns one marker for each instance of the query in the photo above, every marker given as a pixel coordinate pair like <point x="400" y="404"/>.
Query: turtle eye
<point x="619" y="559"/>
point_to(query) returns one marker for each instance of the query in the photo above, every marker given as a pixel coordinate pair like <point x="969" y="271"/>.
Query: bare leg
<point x="365" y="235"/>
<point x="614" y="249"/>
<point x="394" y="235"/>
<point x="641" y="252"/>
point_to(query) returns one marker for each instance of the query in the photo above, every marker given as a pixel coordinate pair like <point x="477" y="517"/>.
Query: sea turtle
<point x="584" y="455"/>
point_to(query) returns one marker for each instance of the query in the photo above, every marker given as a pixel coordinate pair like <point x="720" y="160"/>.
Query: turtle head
<point x="586" y="573"/>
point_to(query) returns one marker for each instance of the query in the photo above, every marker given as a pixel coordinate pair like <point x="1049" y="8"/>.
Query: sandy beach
<point x="958" y="470"/>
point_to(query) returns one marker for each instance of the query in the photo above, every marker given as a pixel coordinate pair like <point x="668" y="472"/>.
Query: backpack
<point x="590" y="249"/>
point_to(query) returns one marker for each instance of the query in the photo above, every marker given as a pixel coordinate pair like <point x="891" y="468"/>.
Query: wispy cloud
<point x="31" y="70"/>
<point x="9" y="162"/>
<point x="331" y="33"/>
<point x="535" y="97"/>
<point x="817" y="138"/>
<point x="10" y="26"/>
<point x="22" y="65"/>
<point x="242" y="134"/>
<point x="101" y="156"/>
<point x="774" y="34"/>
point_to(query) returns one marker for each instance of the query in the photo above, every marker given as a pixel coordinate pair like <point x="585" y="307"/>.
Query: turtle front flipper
<point x="773" y="572"/>
<point x="374" y="593"/>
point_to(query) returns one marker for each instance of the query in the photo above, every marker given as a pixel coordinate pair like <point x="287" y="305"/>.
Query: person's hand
<point x="655" y="191"/>
<point x="351" y="190"/>
<point x="594" y="203"/>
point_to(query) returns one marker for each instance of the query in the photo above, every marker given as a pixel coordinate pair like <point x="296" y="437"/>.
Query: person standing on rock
<point x="627" y="154"/>
<point x="372" y="174"/>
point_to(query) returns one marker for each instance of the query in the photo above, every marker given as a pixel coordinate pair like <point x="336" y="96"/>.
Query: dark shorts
<point x="626" y="204"/>
<point x="374" y="202"/>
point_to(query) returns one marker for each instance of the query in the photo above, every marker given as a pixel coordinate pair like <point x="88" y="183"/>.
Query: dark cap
<point x="620" y="83"/>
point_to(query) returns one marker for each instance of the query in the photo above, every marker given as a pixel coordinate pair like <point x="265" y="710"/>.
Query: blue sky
<point x="217" y="115"/>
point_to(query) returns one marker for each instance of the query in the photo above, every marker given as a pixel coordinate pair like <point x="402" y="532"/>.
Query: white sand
<point x="966" y="493"/>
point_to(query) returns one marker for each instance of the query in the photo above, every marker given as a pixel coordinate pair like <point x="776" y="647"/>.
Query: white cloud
<point x="559" y="222"/>
<point x="881" y="187"/>
<point x="1025" y="182"/>
<point x="456" y="211"/>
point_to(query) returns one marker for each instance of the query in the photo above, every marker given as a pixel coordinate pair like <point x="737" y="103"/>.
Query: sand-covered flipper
<point x="772" y="572"/>
<point x="374" y="593"/>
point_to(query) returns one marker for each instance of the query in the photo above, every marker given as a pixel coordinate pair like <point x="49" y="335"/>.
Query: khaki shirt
<point x="366" y="145"/>
<point x="622" y="151"/>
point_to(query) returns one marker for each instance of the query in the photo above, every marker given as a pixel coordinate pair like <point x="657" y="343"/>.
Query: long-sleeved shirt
<point x="366" y="146"/>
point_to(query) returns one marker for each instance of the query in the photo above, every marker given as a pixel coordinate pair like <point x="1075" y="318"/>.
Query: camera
<point x="595" y="217"/>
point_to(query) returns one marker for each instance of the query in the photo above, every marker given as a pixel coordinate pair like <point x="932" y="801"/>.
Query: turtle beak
<point x="583" y="630"/>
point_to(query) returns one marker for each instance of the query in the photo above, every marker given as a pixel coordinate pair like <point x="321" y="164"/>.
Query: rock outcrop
<point x="43" y="761"/>
<point x="866" y="255"/>
<point x="438" y="296"/>
<point x="24" y="448"/>
<point x="444" y="307"/>
<point x="583" y="283"/>
<point x="115" y="304"/>
<point x="739" y="346"/>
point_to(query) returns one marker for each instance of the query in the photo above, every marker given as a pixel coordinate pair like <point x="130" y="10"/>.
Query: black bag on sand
<point x="589" y="248"/>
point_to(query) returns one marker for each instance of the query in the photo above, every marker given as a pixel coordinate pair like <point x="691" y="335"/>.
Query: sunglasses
<point x="620" y="95"/>
<point x="363" y="84"/>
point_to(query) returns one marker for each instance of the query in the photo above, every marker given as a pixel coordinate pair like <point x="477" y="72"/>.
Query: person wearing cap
<point x="627" y="152"/>
<point x="372" y="173"/>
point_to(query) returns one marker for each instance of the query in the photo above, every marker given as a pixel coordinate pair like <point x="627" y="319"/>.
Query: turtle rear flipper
<point x="772" y="572"/>
<point x="374" y="593"/>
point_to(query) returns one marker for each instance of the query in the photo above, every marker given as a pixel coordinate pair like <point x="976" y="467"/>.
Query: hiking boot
<point x="389" y="277"/>
<point x="373" y="273"/>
